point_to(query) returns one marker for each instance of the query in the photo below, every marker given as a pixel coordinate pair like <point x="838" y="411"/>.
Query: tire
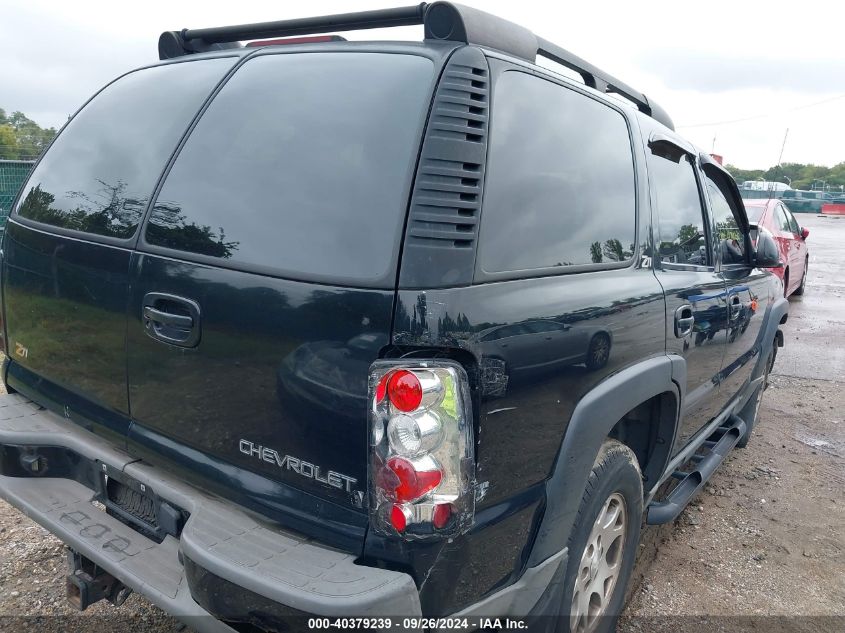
<point x="752" y="409"/>
<point x="800" y="290"/>
<point x="598" y="352"/>
<point x="614" y="492"/>
<point x="786" y="284"/>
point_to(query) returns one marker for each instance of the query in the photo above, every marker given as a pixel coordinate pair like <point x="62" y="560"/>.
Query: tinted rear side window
<point x="560" y="182"/>
<point x="301" y="165"/>
<point x="100" y="172"/>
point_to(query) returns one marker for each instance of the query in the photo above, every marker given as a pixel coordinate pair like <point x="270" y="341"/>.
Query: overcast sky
<point x="739" y="72"/>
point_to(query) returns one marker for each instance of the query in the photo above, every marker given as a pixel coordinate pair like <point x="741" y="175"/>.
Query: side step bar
<point x="720" y="444"/>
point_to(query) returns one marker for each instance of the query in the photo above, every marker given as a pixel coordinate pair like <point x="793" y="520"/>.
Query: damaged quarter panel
<point x="528" y="341"/>
<point x="531" y="375"/>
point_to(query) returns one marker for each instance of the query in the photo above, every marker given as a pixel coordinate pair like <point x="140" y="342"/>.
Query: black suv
<point x="311" y="326"/>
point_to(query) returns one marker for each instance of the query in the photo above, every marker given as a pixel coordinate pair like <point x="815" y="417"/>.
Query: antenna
<point x="780" y="157"/>
<point x="783" y="146"/>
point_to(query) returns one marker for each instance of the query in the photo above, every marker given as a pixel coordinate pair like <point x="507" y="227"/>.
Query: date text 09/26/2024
<point x="410" y="624"/>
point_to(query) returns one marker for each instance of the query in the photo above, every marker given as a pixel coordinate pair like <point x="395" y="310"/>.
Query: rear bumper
<point x="218" y="538"/>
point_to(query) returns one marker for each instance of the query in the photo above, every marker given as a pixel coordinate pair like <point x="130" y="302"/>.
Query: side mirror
<point x="805" y="233"/>
<point x="767" y="255"/>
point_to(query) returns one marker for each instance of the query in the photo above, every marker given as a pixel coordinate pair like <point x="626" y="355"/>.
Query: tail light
<point x="422" y="471"/>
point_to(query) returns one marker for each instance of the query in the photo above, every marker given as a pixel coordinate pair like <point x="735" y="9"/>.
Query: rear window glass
<point x="301" y="165"/>
<point x="100" y="172"/>
<point x="753" y="212"/>
<point x="560" y="181"/>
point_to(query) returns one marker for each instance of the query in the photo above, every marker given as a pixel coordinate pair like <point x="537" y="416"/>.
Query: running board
<point x="720" y="444"/>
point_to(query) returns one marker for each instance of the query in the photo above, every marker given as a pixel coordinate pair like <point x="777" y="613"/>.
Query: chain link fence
<point x="13" y="173"/>
<point x="797" y="201"/>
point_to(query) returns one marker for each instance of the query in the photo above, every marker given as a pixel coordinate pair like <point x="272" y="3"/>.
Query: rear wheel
<point x="604" y="541"/>
<point x="786" y="283"/>
<point x="800" y="290"/>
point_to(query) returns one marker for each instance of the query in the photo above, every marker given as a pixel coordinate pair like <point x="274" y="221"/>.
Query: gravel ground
<point x="764" y="539"/>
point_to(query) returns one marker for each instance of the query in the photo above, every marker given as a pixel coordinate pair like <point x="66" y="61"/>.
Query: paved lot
<point x="765" y="538"/>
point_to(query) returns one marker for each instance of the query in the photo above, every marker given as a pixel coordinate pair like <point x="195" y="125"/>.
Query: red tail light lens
<point x="381" y="388"/>
<point x="413" y="483"/>
<point x="441" y="515"/>
<point x="404" y="390"/>
<point x="422" y="472"/>
<point x="397" y="518"/>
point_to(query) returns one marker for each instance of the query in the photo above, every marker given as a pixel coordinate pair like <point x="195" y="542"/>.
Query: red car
<point x="774" y="216"/>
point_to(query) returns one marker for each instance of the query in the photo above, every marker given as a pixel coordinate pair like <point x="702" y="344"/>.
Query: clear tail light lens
<point x="411" y="435"/>
<point x="422" y="467"/>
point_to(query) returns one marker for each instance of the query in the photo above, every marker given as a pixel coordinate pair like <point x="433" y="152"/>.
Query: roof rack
<point x="445" y="21"/>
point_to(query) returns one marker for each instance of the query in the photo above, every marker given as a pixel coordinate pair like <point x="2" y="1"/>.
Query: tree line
<point x="21" y="138"/>
<point x="797" y="175"/>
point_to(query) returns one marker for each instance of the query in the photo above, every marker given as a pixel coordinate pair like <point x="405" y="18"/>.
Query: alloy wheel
<point x="601" y="351"/>
<point x="599" y="566"/>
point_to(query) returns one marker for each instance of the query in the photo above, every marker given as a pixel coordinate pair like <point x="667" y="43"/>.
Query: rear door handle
<point x="171" y="319"/>
<point x="166" y="318"/>
<point x="684" y="321"/>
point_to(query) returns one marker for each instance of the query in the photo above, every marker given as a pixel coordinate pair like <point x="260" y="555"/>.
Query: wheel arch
<point x="778" y="314"/>
<point x="595" y="417"/>
<point x="648" y="429"/>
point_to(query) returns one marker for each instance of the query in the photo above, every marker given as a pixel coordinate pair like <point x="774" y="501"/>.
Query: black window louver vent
<point x="446" y="204"/>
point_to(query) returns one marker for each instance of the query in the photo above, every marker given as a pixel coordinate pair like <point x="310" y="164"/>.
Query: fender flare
<point x="777" y="313"/>
<point x="591" y="422"/>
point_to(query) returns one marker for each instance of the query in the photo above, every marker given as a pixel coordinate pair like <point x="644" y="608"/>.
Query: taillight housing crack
<point x="422" y="464"/>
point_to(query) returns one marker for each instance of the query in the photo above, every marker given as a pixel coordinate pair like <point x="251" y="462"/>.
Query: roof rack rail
<point x="445" y="21"/>
<point x="601" y="81"/>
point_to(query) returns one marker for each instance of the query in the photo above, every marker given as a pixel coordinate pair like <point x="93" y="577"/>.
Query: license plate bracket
<point x="137" y="505"/>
